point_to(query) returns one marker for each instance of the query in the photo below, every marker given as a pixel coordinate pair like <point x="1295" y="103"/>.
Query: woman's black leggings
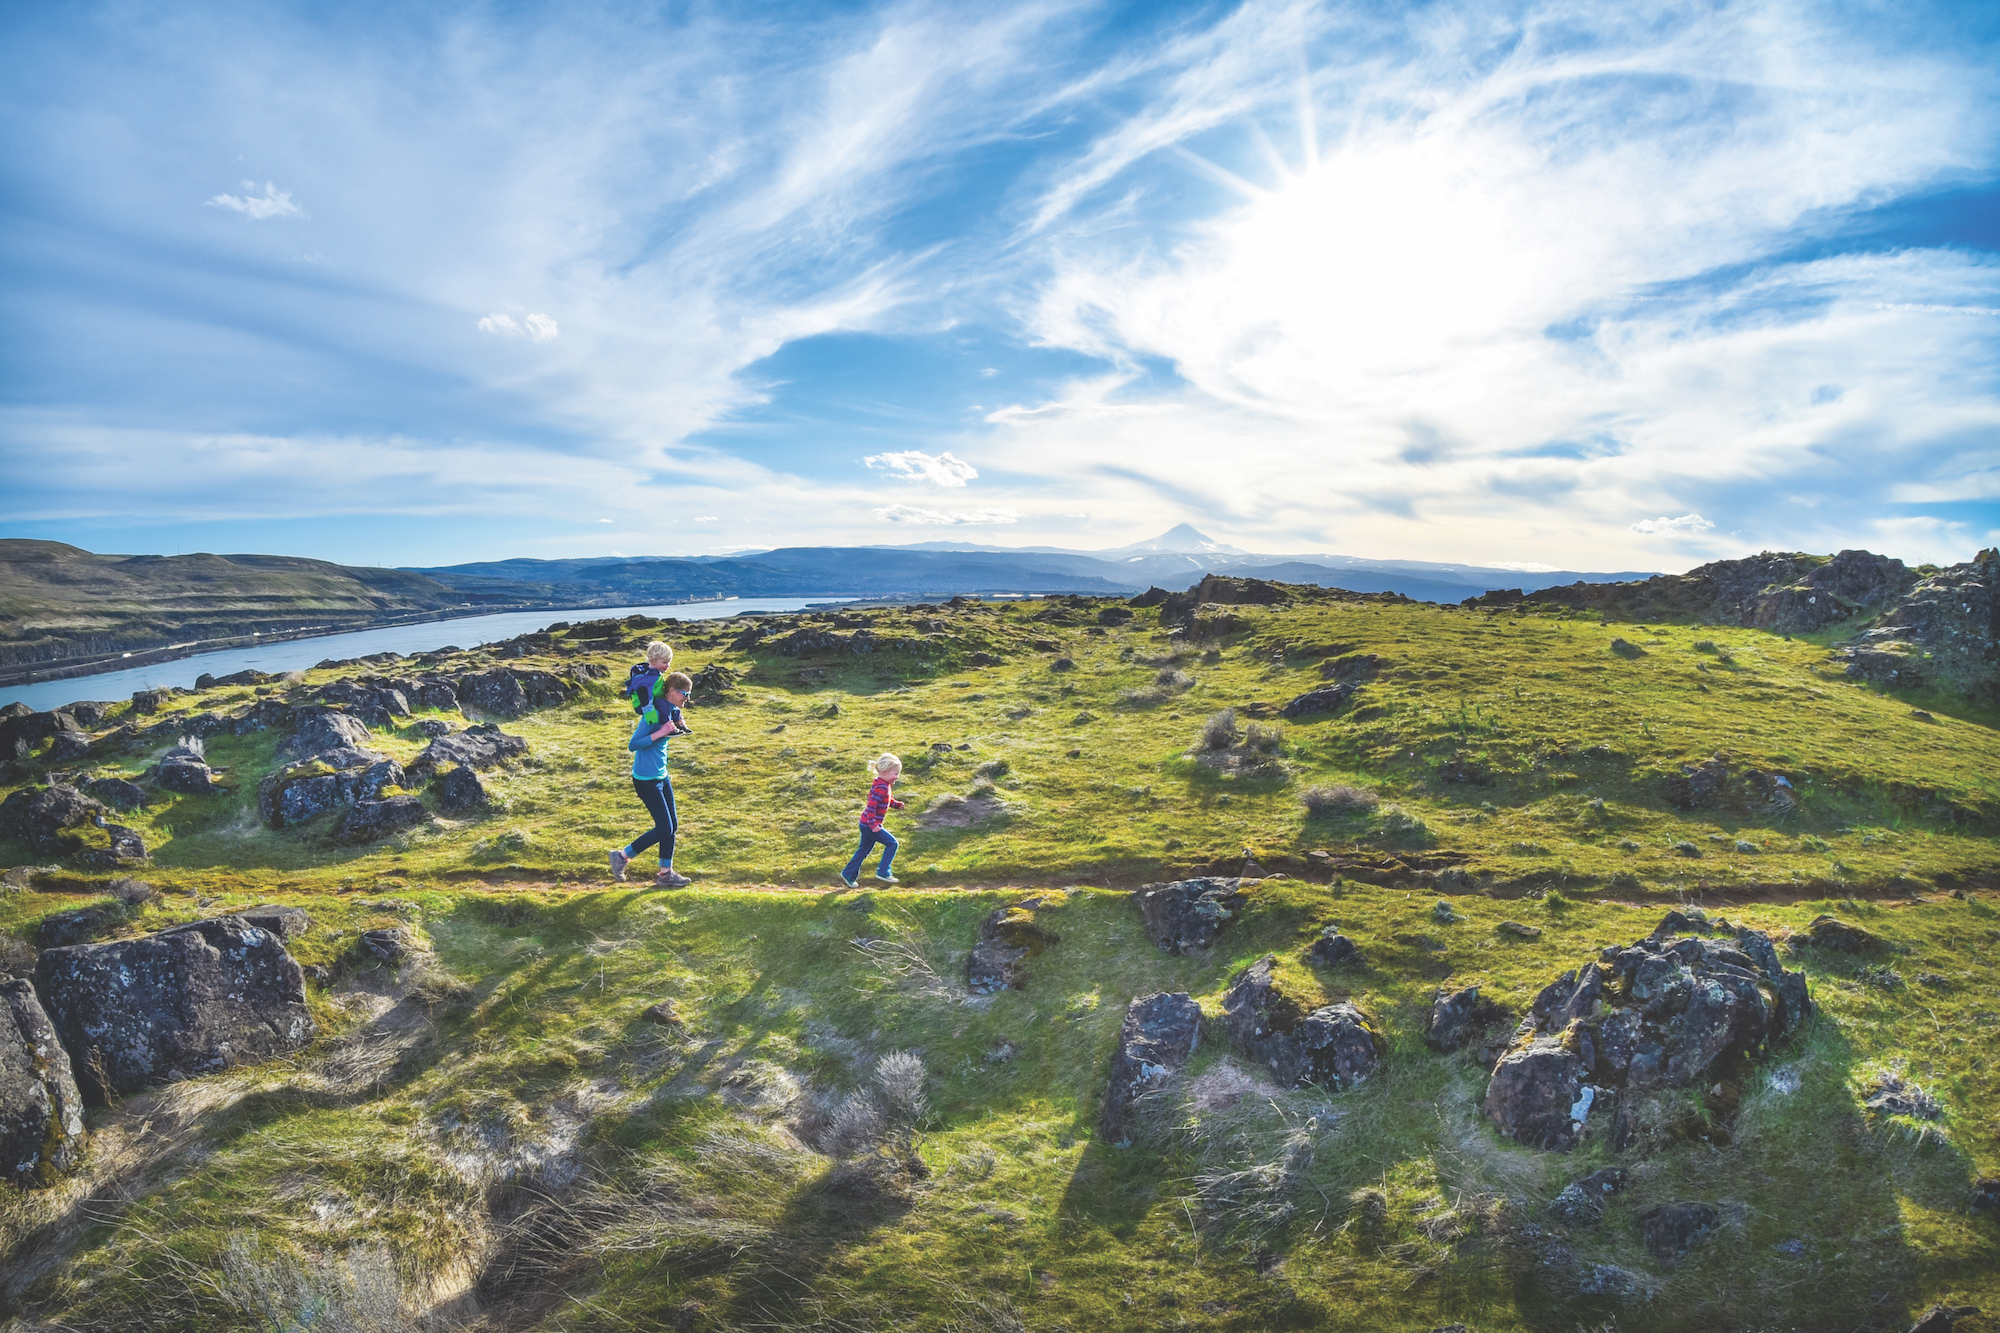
<point x="659" y="798"/>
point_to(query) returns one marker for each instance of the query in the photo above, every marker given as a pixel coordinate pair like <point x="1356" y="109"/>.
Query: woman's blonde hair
<point x="659" y="652"/>
<point x="882" y="761"/>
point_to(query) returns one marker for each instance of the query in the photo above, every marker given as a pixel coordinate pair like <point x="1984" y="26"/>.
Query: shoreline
<point x="101" y="664"/>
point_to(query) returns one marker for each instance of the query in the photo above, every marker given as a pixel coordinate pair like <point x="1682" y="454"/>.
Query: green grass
<point x="516" y="1130"/>
<point x="660" y="1142"/>
<point x="1573" y="743"/>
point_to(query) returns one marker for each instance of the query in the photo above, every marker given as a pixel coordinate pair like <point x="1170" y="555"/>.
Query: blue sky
<point x="1592" y="286"/>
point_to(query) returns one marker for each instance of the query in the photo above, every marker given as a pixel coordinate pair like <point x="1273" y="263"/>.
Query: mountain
<point x="1174" y="559"/>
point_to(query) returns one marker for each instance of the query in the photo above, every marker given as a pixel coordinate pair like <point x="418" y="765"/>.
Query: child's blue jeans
<point x="869" y="837"/>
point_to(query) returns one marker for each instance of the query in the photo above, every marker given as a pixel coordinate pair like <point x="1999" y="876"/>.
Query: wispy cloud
<point x="947" y="518"/>
<point x="914" y="465"/>
<point x="536" y="328"/>
<point x="272" y="203"/>
<point x="1685" y="523"/>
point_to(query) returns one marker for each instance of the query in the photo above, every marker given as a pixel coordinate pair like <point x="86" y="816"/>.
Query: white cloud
<point x="272" y="203"/>
<point x="947" y="518"/>
<point x="607" y="520"/>
<point x="915" y="465"/>
<point x="1685" y="523"/>
<point x="707" y="518"/>
<point x="536" y="328"/>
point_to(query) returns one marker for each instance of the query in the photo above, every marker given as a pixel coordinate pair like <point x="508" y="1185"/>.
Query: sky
<point x="1590" y="286"/>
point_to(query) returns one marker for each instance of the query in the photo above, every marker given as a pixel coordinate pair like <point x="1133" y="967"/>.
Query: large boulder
<point x="1661" y="1013"/>
<point x="329" y="781"/>
<point x="190" y="1000"/>
<point x="117" y="792"/>
<point x="1456" y="1019"/>
<point x="1160" y="1032"/>
<point x="497" y="692"/>
<point x="185" y="768"/>
<point x="1333" y="1045"/>
<point x="41" y="1108"/>
<point x="480" y="746"/>
<point x="1536" y="1094"/>
<point x="1008" y="938"/>
<point x="371" y="821"/>
<point x="324" y="729"/>
<point x="1188" y="914"/>
<point x="42" y="818"/>
<point x="1325" y="699"/>
<point x="460" y="792"/>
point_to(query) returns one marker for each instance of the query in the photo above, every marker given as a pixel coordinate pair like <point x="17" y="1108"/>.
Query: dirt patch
<point x="954" y="811"/>
<point x="1226" y="1083"/>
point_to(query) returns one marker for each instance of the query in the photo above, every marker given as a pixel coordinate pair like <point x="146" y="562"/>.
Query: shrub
<point x="1325" y="802"/>
<point x="1257" y="736"/>
<point x="1219" y="732"/>
<point x="1401" y="823"/>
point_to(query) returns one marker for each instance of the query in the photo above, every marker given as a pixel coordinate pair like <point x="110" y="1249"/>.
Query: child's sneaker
<point x="671" y="879"/>
<point x="849" y="880"/>
<point x="618" y="863"/>
<point x="888" y="879"/>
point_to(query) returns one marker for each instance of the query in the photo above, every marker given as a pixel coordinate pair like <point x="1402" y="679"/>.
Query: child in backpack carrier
<point x="646" y="686"/>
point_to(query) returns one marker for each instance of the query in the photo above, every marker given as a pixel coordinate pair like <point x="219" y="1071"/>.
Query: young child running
<point x="881" y="800"/>
<point x="649" y="779"/>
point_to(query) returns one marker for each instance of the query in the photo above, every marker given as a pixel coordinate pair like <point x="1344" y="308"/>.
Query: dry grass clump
<point x="1330" y="801"/>
<point x="1167" y="684"/>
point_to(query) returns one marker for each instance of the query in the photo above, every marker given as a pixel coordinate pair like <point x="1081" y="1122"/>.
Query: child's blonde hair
<point x="657" y="651"/>
<point x="884" y="761"/>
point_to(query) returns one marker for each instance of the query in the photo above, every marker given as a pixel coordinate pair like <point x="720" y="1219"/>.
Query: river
<point x="299" y="654"/>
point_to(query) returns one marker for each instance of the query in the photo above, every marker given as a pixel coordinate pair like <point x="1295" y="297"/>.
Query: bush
<point x="1257" y="736"/>
<point x="1326" y="802"/>
<point x="1219" y="732"/>
<point x="1401" y="823"/>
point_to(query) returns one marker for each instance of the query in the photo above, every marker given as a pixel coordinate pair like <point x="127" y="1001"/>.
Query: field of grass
<point x="495" y="1135"/>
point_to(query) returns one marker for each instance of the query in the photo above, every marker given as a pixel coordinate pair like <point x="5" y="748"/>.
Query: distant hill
<point x="60" y="604"/>
<point x="1173" y="560"/>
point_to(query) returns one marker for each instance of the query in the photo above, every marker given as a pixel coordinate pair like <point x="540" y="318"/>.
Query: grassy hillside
<point x="493" y="1135"/>
<point x="60" y="603"/>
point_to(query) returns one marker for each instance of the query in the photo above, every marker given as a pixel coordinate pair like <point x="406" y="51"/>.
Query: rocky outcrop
<point x="1160" y="1032"/>
<point x="480" y="746"/>
<point x="1662" y="1013"/>
<point x="1945" y="632"/>
<point x="323" y="729"/>
<point x="1008" y="938"/>
<point x="371" y="821"/>
<point x="41" y="1108"/>
<point x="43" y="818"/>
<point x="23" y="732"/>
<point x="1188" y="914"/>
<point x="1784" y="592"/>
<point x="1333" y="1045"/>
<point x="78" y="926"/>
<point x="1216" y="590"/>
<point x="190" y="1000"/>
<point x="299" y="792"/>
<point x="1712" y="785"/>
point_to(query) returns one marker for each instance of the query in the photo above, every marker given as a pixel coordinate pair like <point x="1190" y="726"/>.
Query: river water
<point x="299" y="654"/>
